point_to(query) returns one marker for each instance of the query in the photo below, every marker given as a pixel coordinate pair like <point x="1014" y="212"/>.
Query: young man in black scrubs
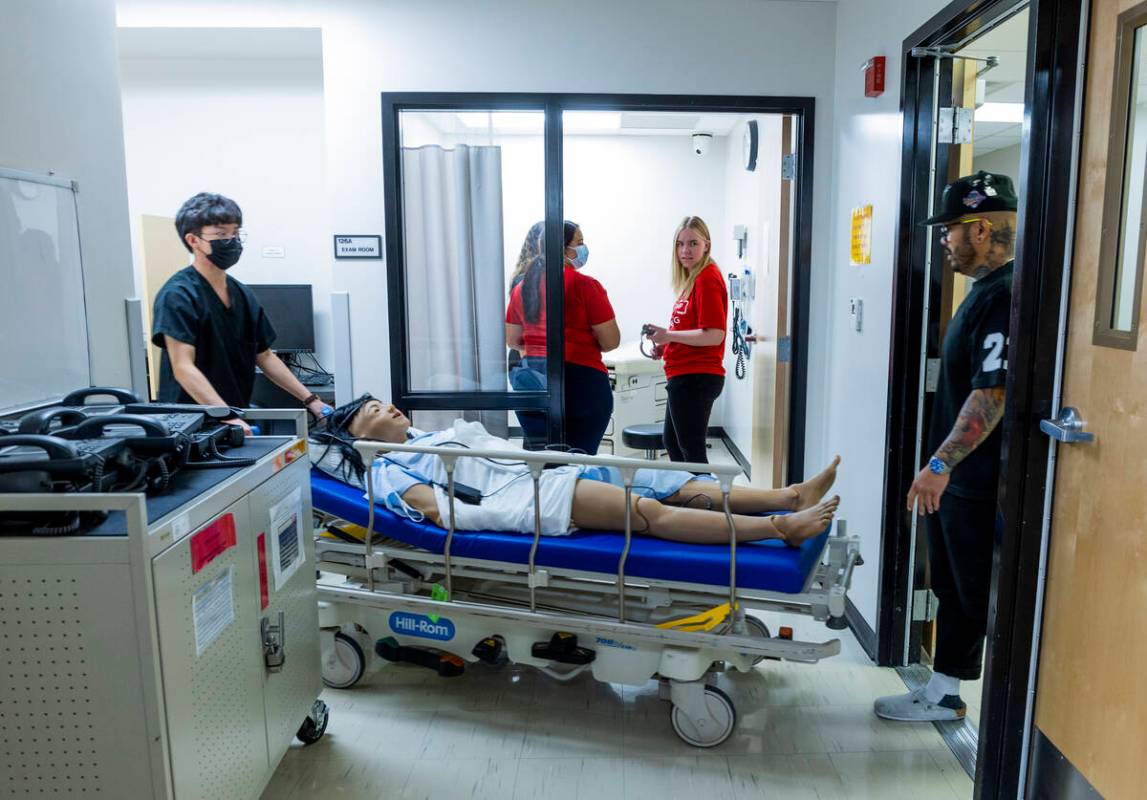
<point x="978" y="229"/>
<point x="212" y="330"/>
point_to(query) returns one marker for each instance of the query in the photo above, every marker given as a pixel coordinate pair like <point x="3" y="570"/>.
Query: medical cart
<point x="173" y="651"/>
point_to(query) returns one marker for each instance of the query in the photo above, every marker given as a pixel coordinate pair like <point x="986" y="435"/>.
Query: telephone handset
<point x="35" y="473"/>
<point x="41" y="421"/>
<point x="80" y="396"/>
<point x="94" y="427"/>
<point x="158" y="440"/>
<point x="56" y="448"/>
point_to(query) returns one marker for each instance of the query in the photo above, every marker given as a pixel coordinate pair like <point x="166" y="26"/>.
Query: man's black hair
<point x="206" y="209"/>
<point x="335" y="432"/>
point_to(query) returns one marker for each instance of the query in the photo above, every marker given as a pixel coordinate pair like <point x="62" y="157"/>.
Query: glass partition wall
<point x="478" y="190"/>
<point x="457" y="248"/>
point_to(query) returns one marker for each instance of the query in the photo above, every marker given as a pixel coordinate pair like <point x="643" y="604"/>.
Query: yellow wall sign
<point x="861" y="248"/>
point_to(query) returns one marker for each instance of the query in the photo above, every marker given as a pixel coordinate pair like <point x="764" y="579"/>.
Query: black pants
<point x="589" y="404"/>
<point x="690" y="401"/>
<point x="960" y="538"/>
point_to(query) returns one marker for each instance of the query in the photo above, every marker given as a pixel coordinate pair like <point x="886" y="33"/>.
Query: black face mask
<point x="225" y="252"/>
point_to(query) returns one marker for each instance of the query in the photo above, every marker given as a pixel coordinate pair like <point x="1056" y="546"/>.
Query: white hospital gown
<point x="506" y="486"/>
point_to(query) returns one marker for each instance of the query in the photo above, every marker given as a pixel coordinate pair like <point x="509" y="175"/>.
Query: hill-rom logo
<point x="419" y="625"/>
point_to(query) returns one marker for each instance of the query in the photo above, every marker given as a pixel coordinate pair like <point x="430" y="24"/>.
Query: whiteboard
<point x="44" y="352"/>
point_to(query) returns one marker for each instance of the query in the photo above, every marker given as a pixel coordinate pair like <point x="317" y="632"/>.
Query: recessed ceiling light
<point x="1000" y="112"/>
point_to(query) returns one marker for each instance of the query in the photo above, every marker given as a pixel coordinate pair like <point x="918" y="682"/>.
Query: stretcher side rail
<point x="536" y="461"/>
<point x="742" y="643"/>
<point x="823" y="596"/>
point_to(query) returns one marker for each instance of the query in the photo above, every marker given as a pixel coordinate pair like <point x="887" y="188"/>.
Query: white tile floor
<point x="804" y="731"/>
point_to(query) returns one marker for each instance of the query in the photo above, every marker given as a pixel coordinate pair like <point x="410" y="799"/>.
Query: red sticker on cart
<point x="260" y="545"/>
<point x="207" y="544"/>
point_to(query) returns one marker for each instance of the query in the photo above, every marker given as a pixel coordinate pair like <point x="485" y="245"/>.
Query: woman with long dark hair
<point x="590" y="330"/>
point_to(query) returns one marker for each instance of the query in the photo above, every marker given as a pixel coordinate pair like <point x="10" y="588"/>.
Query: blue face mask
<point x="581" y="255"/>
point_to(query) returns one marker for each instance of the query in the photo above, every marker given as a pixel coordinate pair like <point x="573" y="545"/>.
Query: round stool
<point x="644" y="437"/>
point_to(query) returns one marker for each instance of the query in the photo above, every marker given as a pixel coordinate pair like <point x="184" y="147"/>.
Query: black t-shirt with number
<point x="226" y="340"/>
<point x="974" y="356"/>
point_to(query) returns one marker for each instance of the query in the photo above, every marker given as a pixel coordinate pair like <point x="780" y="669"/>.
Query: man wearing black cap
<point x="978" y="230"/>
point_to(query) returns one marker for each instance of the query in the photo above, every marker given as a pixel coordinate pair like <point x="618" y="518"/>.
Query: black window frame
<point x="551" y="400"/>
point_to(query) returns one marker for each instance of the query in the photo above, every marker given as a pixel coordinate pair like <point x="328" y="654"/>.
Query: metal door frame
<point x="1056" y="35"/>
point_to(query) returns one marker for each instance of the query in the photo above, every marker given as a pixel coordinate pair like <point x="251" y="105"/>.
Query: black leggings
<point x="687" y="412"/>
<point x="589" y="404"/>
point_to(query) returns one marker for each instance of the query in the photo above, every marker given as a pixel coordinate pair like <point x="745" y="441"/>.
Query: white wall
<point x="1005" y="161"/>
<point x="849" y="416"/>
<point x="628" y="193"/>
<point x="745" y="47"/>
<point x="251" y="129"/>
<point x="60" y="111"/>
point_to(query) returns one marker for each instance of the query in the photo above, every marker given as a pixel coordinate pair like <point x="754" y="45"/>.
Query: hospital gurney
<point x="626" y="608"/>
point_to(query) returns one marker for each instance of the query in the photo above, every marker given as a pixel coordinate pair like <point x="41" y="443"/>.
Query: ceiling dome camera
<point x="701" y="142"/>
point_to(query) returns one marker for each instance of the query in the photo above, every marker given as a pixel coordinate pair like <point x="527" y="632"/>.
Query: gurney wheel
<point x="717" y="730"/>
<point x="315" y="725"/>
<point x="345" y="664"/>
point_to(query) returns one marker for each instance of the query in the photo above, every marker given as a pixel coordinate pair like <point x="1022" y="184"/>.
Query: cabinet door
<point x="280" y="522"/>
<point x="212" y="660"/>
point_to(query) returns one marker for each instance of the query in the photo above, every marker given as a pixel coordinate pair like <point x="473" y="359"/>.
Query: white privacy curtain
<point x="455" y="281"/>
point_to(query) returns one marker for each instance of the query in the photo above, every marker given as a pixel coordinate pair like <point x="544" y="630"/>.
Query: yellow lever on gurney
<point x="705" y="621"/>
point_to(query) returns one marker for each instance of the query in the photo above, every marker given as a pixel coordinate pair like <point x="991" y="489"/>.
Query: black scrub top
<point x="226" y="340"/>
<point x="974" y="356"/>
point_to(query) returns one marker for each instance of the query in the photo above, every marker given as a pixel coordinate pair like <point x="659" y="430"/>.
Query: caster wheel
<point x="344" y="664"/>
<point x="315" y="725"/>
<point x="758" y="630"/>
<point x="709" y="733"/>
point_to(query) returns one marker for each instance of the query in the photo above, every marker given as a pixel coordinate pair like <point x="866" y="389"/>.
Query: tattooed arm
<point x="980" y="415"/>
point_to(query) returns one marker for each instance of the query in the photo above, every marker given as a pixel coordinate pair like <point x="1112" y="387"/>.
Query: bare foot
<point x="811" y="491"/>
<point x="796" y="528"/>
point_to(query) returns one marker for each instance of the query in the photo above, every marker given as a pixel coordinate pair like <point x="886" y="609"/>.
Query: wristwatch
<point x="937" y="466"/>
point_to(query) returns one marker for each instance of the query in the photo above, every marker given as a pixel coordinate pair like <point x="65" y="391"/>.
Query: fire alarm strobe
<point x="874" y="76"/>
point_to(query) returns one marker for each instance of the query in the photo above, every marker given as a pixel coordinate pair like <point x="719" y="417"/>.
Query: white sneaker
<point x="914" y="707"/>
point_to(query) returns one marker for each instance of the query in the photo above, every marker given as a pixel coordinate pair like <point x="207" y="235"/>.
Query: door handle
<point x="1067" y="428"/>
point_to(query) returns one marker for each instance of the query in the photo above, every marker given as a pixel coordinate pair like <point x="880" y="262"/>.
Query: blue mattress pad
<point x="769" y="565"/>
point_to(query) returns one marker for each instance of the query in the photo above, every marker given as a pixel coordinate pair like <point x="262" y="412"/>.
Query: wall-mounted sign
<point x="860" y="250"/>
<point x="358" y="246"/>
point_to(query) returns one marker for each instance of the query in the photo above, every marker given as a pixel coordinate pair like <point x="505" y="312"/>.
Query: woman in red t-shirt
<point x="590" y="330"/>
<point x="693" y="345"/>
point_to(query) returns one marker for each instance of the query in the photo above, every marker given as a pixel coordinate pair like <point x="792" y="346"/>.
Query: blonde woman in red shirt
<point x="693" y="346"/>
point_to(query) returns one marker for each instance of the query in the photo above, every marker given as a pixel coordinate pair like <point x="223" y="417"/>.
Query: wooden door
<point x="771" y="369"/>
<point x="1091" y="694"/>
<point x="163" y="256"/>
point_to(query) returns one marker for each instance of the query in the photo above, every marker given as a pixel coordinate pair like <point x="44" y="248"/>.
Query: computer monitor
<point x="290" y="308"/>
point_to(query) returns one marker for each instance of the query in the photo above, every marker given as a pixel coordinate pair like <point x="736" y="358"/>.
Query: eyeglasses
<point x="944" y="229"/>
<point x="241" y="235"/>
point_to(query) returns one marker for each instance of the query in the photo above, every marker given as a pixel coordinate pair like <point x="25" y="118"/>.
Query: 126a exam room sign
<point x="358" y="246"/>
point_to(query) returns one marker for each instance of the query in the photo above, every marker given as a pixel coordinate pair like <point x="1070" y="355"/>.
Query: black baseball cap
<point x="971" y="194"/>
